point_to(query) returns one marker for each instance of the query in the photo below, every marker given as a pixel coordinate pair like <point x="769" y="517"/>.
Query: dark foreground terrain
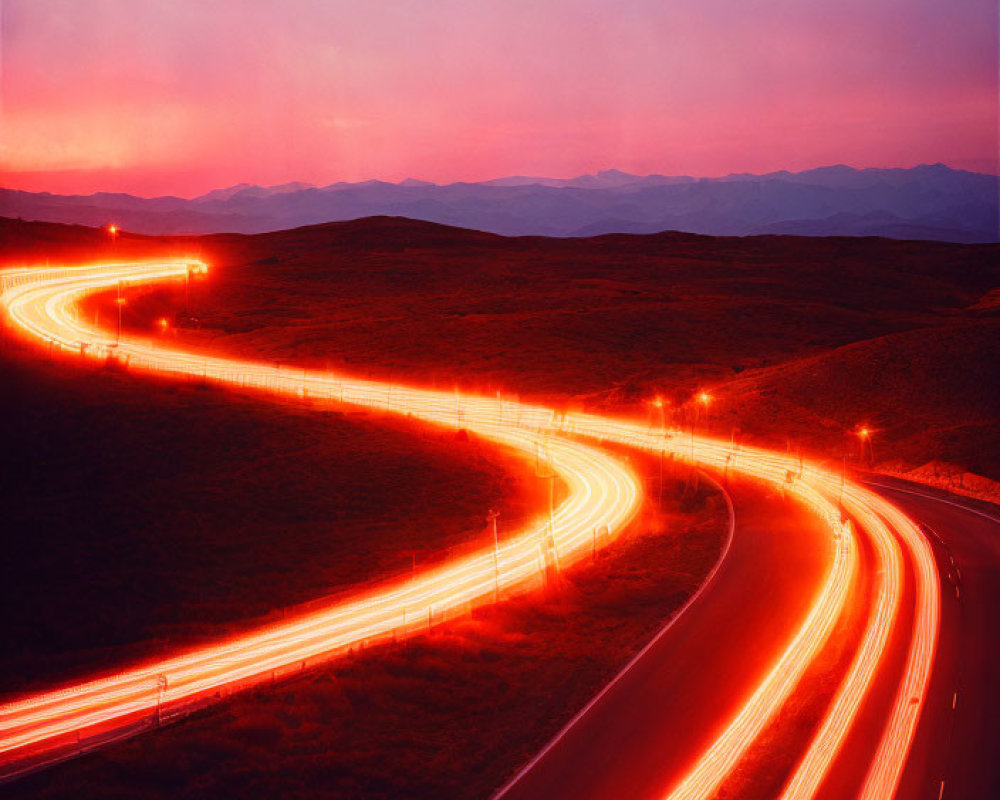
<point x="799" y="341"/>
<point x="142" y="515"/>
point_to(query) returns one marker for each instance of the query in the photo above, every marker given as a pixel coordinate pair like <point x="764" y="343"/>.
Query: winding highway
<point x="813" y="554"/>
<point x="958" y="748"/>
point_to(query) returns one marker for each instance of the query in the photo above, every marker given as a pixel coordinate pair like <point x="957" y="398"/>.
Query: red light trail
<point x="602" y="492"/>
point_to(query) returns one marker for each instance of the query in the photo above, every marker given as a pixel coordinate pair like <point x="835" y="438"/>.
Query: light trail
<point x="717" y="762"/>
<point x="888" y="578"/>
<point x="885" y="525"/>
<point x="41" y="302"/>
<point x="603" y="493"/>
<point x="886" y="768"/>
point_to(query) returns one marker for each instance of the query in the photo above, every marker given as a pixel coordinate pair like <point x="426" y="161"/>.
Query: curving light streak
<point x="602" y="492"/>
<point x="717" y="762"/>
<point x="888" y="578"/>
<point x="884" y="524"/>
<point x="886" y="768"/>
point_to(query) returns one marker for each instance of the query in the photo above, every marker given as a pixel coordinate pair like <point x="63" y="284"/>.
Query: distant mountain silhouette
<point x="925" y="202"/>
<point x="249" y="190"/>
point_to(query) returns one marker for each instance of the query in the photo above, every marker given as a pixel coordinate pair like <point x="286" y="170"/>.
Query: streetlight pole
<point x="658" y="402"/>
<point x="120" y="301"/>
<point x="865" y="438"/>
<point x="694" y="421"/>
<point x="549" y="531"/>
<point x="843" y="483"/>
<point x="705" y="399"/>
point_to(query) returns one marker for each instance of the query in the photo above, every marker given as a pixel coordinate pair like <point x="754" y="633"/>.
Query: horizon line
<point x="527" y="177"/>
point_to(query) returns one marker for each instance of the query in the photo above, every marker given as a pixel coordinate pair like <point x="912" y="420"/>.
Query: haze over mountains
<point x="925" y="202"/>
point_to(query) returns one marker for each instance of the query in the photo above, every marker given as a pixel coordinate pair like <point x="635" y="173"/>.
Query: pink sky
<point x="182" y="96"/>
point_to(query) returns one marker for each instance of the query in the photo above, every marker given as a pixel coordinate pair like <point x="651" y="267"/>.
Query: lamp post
<point x="865" y="439"/>
<point x="120" y="302"/>
<point x="659" y="403"/>
<point x="548" y="543"/>
<point x="194" y="268"/>
<point x="706" y="400"/>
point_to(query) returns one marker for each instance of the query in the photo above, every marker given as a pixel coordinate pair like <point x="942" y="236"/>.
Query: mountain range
<point x="929" y="201"/>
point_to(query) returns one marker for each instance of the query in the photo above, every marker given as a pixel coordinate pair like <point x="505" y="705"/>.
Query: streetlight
<point x="659" y="403"/>
<point x="864" y="434"/>
<point x="548" y="544"/>
<point x="706" y="400"/>
<point x="163" y="323"/>
<point x="194" y="268"/>
<point x="120" y="302"/>
<point x="113" y="231"/>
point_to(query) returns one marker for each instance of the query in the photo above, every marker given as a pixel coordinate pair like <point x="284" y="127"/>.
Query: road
<point x="814" y="551"/>
<point x="959" y="745"/>
<point x="640" y="737"/>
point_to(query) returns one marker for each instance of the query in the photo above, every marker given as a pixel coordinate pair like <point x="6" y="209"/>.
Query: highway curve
<point x="813" y="549"/>
<point x="644" y="731"/>
<point x="959" y="745"/>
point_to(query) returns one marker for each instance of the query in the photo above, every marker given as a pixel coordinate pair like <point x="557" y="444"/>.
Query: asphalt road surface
<point x="638" y="737"/>
<point x="643" y="733"/>
<point x="960" y="745"/>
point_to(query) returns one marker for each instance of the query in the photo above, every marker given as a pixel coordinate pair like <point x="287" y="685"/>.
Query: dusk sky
<point x="182" y="96"/>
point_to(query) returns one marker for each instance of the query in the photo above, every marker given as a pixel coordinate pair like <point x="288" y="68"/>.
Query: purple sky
<point x="181" y="96"/>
